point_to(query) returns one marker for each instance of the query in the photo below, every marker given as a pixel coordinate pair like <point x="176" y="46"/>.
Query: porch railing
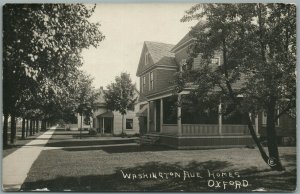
<point x="170" y="129"/>
<point x="213" y="129"/>
<point x="205" y="129"/>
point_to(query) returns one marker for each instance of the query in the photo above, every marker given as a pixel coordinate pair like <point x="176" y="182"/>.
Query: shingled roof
<point x="158" y="50"/>
<point x="188" y="37"/>
<point x="160" y="54"/>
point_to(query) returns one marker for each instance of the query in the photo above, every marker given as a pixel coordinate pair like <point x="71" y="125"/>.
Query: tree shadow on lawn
<point x="74" y="143"/>
<point x="186" y="179"/>
<point x="123" y="148"/>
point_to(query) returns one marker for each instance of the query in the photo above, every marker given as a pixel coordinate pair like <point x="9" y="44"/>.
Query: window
<point x="264" y="118"/>
<point x="151" y="81"/>
<point x="216" y="61"/>
<point x="146" y="58"/>
<point x="129" y="123"/>
<point x="143" y="83"/>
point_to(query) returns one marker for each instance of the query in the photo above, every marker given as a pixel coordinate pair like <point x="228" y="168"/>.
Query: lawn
<point x="83" y="165"/>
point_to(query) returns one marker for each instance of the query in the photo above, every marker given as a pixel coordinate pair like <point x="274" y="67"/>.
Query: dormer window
<point x="147" y="58"/>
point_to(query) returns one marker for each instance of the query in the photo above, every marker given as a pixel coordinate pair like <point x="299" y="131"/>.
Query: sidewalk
<point x="17" y="164"/>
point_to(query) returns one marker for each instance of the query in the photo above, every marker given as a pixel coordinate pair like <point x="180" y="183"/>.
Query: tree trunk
<point x="256" y="140"/>
<point x="23" y="128"/>
<point x="122" y="123"/>
<point x="13" y="129"/>
<point x="44" y="125"/>
<point x="5" y="129"/>
<point x="37" y="126"/>
<point x="33" y="127"/>
<point x="274" y="161"/>
<point x="30" y="127"/>
<point x="27" y="127"/>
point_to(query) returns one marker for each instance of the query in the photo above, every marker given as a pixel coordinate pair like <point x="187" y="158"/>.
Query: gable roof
<point x="187" y="38"/>
<point x="158" y="50"/>
<point x="159" y="53"/>
<point x="100" y="101"/>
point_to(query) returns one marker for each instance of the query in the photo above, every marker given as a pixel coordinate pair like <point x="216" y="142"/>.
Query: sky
<point x="126" y="27"/>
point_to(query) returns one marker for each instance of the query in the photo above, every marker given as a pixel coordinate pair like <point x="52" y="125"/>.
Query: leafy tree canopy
<point x="120" y="95"/>
<point x="256" y="44"/>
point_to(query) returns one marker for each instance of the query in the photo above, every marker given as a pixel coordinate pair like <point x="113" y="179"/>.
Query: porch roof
<point x="106" y="114"/>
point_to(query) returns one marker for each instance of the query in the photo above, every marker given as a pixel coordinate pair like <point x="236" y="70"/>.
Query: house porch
<point x="177" y="128"/>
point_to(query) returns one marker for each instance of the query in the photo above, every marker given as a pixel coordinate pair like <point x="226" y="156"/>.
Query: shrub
<point x="92" y="131"/>
<point x="123" y="134"/>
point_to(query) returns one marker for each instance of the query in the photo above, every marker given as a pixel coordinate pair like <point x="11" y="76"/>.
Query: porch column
<point x="148" y="117"/>
<point x="161" y="115"/>
<point x="179" y="115"/>
<point x="102" y="125"/>
<point x="256" y="124"/>
<point x="220" y="118"/>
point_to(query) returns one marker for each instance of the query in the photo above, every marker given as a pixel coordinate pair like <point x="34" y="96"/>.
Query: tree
<point x="42" y="43"/>
<point x="257" y="43"/>
<point x="120" y="95"/>
<point x="85" y="95"/>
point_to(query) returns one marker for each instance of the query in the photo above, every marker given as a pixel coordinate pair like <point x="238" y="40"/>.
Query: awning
<point x="106" y="114"/>
<point x="142" y="112"/>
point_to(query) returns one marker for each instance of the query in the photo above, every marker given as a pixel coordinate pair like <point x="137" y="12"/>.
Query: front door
<point x="108" y="125"/>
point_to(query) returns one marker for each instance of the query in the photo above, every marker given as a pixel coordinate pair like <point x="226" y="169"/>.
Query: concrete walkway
<point x="17" y="164"/>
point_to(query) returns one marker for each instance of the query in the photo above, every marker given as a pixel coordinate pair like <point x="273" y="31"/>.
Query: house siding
<point x="181" y="54"/>
<point x="117" y="117"/>
<point x="163" y="78"/>
<point x="117" y="124"/>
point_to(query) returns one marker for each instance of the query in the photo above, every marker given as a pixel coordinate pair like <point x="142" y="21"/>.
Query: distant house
<point x="110" y="122"/>
<point x="177" y="126"/>
<point x="81" y="123"/>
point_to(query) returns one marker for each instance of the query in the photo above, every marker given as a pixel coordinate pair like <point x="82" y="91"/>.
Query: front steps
<point x="148" y="140"/>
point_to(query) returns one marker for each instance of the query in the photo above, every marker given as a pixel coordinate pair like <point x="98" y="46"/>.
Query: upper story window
<point x="147" y="61"/>
<point x="143" y="83"/>
<point x="151" y="81"/>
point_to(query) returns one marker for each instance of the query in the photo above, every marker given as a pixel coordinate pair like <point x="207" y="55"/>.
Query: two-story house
<point x="178" y="126"/>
